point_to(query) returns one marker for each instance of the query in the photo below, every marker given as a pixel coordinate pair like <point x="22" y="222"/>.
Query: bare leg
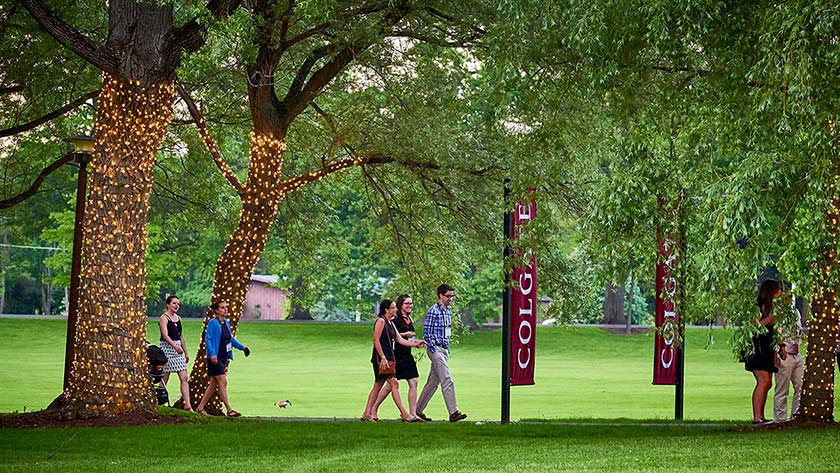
<point x="395" y="394"/>
<point x="383" y="393"/>
<point x="211" y="388"/>
<point x="223" y="395"/>
<point x="763" y="381"/>
<point x="370" y="410"/>
<point x="185" y="389"/>
<point x="412" y="397"/>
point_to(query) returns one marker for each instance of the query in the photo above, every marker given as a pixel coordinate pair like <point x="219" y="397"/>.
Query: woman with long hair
<point x="175" y="348"/>
<point x="761" y="361"/>
<point x="385" y="338"/>
<point x="219" y="343"/>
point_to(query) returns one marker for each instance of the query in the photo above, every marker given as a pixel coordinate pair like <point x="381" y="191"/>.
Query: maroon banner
<point x="667" y="319"/>
<point x="523" y="306"/>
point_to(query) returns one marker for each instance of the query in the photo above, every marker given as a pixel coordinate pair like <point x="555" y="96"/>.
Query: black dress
<point x="387" y="340"/>
<point x="406" y="367"/>
<point x="764" y="357"/>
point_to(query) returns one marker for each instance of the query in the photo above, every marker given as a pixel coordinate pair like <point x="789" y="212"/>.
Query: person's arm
<point x="402" y="341"/>
<point x="211" y="340"/>
<point x="184" y="348"/>
<point x="164" y="333"/>
<point x="768" y="319"/>
<point x="234" y="341"/>
<point x="405" y="328"/>
<point x="377" y="345"/>
<point x="433" y="326"/>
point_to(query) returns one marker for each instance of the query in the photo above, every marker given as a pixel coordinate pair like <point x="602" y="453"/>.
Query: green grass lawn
<point x="252" y="446"/>
<point x="324" y="370"/>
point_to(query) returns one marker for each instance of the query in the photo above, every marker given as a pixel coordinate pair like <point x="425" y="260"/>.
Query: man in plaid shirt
<point x="437" y="329"/>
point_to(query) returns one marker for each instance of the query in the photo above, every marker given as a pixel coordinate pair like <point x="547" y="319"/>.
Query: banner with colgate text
<point x="667" y="319"/>
<point x="523" y="305"/>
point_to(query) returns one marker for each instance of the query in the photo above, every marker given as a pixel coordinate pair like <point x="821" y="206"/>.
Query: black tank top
<point x="173" y="329"/>
<point x="386" y="339"/>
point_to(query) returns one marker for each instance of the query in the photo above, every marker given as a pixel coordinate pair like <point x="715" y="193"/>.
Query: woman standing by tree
<point x="175" y="348"/>
<point x="761" y="361"/>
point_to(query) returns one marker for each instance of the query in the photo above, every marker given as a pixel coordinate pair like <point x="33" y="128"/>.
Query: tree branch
<point x="299" y="95"/>
<point x="209" y="142"/>
<point x="10" y="89"/>
<point x="90" y="51"/>
<point x="297" y="182"/>
<point x="36" y="184"/>
<point x="190" y="36"/>
<point x="50" y="116"/>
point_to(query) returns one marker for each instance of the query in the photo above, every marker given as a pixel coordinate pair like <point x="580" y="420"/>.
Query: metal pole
<point x="506" y="308"/>
<point x="73" y="303"/>
<point x="679" y="389"/>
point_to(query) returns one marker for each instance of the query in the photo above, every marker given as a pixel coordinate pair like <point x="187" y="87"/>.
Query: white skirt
<point x="174" y="361"/>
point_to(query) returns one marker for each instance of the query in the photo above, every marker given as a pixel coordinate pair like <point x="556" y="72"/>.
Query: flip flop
<point x="233" y="414"/>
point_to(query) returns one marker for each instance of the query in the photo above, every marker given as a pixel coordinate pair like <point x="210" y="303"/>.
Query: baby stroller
<point x="157" y="359"/>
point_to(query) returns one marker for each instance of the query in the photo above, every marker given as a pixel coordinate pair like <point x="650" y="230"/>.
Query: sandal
<point x="233" y="414"/>
<point x="203" y="412"/>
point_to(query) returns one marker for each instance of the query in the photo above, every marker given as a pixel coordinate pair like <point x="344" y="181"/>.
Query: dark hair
<point x="443" y="289"/>
<point x="383" y="306"/>
<point x="766" y="292"/>
<point x="400" y="300"/>
<point x="215" y="306"/>
<point x="170" y="297"/>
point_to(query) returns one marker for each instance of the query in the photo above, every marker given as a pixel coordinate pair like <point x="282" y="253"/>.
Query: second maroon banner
<point x="667" y="319"/>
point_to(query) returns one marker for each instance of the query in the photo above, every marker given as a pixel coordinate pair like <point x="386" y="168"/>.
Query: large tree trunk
<point x="109" y="373"/>
<point x="236" y="264"/>
<point x="817" y="402"/>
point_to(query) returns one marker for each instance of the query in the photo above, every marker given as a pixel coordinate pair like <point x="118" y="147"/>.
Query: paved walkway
<point x="494" y="422"/>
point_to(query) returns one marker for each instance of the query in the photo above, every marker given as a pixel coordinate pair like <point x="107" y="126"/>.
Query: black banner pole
<point x="679" y="389"/>
<point x="506" y="309"/>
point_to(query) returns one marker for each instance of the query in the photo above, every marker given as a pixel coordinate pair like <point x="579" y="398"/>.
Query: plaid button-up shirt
<point x="437" y="323"/>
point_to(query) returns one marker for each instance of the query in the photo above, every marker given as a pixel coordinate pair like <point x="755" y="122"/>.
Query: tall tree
<point x="322" y="44"/>
<point x="138" y="59"/>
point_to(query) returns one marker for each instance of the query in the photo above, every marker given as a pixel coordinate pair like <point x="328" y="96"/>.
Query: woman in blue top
<point x="219" y="342"/>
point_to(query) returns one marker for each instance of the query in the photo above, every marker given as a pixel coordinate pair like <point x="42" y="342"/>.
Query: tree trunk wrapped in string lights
<point x="109" y="370"/>
<point x="260" y="200"/>
<point x="817" y="402"/>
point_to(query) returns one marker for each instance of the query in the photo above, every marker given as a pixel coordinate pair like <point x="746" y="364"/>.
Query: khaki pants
<point x="438" y="375"/>
<point x="791" y="370"/>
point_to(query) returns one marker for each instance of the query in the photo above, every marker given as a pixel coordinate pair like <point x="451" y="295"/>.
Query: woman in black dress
<point x="406" y="366"/>
<point x="761" y="362"/>
<point x="385" y="338"/>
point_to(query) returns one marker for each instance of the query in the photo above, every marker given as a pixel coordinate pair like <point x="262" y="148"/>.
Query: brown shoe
<point x="456" y="416"/>
<point x="423" y="416"/>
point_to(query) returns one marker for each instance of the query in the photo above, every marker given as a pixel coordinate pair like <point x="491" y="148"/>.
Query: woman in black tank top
<point x="173" y="345"/>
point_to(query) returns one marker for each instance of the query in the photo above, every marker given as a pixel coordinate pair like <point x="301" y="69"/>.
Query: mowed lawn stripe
<point x="581" y="372"/>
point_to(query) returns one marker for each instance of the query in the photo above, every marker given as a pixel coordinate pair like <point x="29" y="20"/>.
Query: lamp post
<point x="82" y="153"/>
